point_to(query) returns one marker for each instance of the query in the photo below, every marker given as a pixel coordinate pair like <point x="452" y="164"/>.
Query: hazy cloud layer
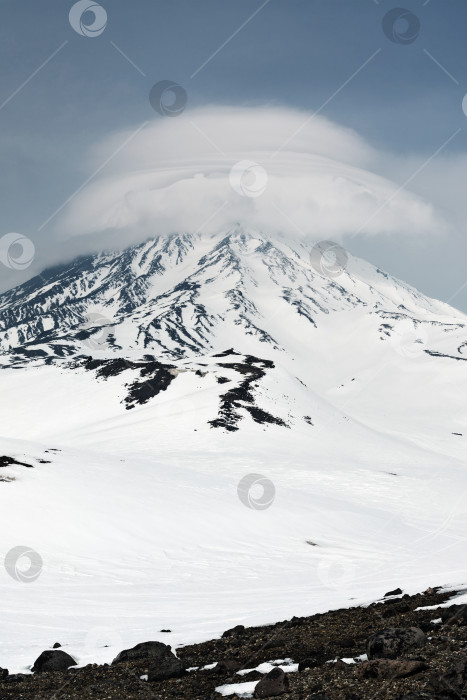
<point x="270" y="168"/>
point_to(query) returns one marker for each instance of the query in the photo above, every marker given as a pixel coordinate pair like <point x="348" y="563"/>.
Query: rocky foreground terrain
<point x="390" y="649"/>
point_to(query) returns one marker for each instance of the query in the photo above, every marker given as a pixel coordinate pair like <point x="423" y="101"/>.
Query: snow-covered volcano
<point x="188" y="295"/>
<point x="164" y="375"/>
<point x="236" y="328"/>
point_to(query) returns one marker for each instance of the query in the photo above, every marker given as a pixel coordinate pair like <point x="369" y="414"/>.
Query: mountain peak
<point x="181" y="295"/>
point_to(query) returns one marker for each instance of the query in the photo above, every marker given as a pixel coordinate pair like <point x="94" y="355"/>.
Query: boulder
<point x="146" y="650"/>
<point x="454" y="614"/>
<point x="394" y="641"/>
<point x="57" y="645"/>
<point x="166" y="667"/>
<point x="389" y="668"/>
<point x="53" y="661"/>
<point x="396" y="591"/>
<point x="163" y="662"/>
<point x="3" y="673"/>
<point x="274" y="683"/>
<point x="234" y="631"/>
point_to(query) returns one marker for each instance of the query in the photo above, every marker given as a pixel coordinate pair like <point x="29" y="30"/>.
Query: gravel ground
<point x="334" y="635"/>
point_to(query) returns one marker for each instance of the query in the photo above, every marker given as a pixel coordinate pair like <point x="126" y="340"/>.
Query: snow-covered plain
<point x="137" y="517"/>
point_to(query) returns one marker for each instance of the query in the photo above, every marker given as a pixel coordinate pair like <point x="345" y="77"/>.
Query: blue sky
<point x="405" y="100"/>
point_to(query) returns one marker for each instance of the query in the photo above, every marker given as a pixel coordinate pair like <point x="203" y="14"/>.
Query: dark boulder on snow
<point x="53" y="661"/>
<point x="396" y="591"/>
<point x="234" y="631"/>
<point x="274" y="683"/>
<point x="394" y="641"/>
<point x="145" y="650"/>
<point x="57" y="645"/>
<point x="164" y="663"/>
<point x="3" y="673"/>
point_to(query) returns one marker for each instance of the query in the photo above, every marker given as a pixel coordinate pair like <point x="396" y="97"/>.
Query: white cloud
<point x="174" y="176"/>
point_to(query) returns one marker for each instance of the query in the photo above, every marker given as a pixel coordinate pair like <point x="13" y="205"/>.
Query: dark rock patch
<point x="454" y="614"/>
<point x="392" y="642"/>
<point x="154" y="377"/>
<point x="226" y="353"/>
<point x="14" y="678"/>
<point x="453" y="682"/>
<point x="389" y="668"/>
<point x="223" y="380"/>
<point x="242" y="396"/>
<point x="8" y="461"/>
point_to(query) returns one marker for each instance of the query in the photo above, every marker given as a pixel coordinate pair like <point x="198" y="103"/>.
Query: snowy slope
<point x="166" y="374"/>
<point x="132" y="544"/>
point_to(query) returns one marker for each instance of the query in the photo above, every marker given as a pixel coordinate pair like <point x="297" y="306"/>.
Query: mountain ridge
<point x="160" y="287"/>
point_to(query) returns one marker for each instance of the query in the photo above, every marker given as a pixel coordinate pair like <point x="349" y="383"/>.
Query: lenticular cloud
<point x="274" y="169"/>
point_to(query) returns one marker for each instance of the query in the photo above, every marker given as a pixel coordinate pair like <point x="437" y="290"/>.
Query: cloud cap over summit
<point x="272" y="168"/>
